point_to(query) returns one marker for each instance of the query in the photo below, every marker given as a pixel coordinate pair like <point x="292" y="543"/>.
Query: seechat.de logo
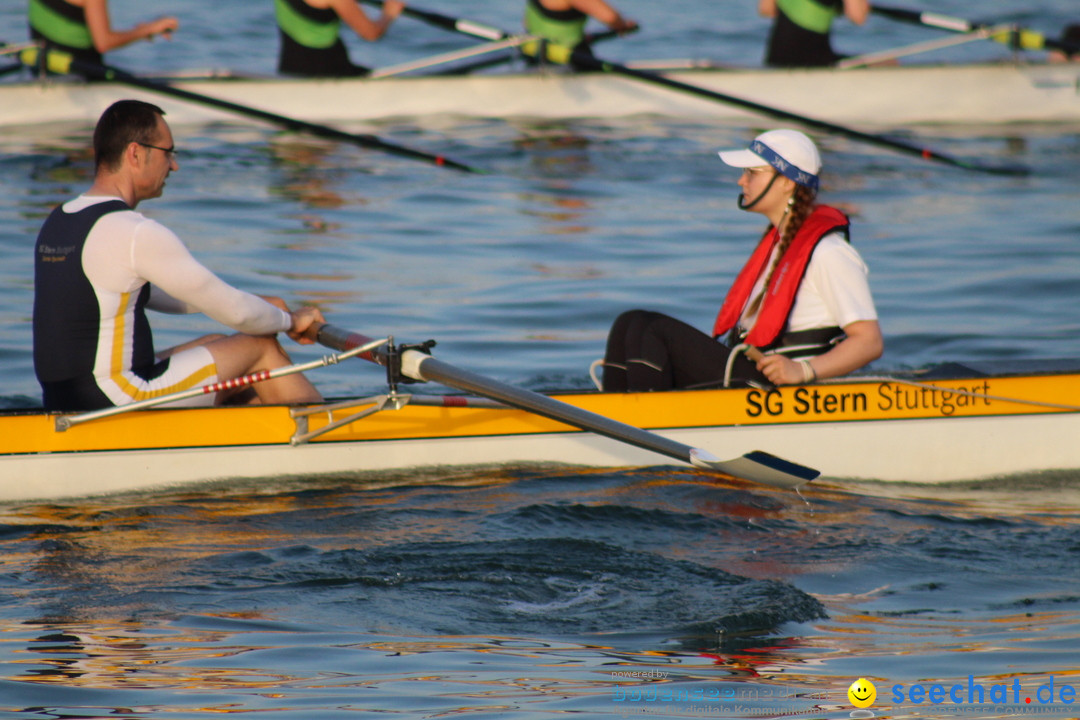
<point x="862" y="693"/>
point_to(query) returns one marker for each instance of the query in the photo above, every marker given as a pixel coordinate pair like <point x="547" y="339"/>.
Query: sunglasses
<point x="170" y="152"/>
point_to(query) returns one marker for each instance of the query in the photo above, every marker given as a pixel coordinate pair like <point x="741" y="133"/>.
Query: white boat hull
<point x="869" y="97"/>
<point x="928" y="451"/>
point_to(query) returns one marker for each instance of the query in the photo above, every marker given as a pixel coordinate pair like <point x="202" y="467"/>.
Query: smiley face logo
<point x="862" y="693"/>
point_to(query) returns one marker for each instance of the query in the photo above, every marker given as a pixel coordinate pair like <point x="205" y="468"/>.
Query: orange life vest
<point x="780" y="295"/>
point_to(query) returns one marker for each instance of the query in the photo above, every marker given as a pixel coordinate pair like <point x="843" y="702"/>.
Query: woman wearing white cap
<point x="802" y="298"/>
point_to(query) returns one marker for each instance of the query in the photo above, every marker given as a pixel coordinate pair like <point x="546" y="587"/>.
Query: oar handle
<point x="343" y="340"/>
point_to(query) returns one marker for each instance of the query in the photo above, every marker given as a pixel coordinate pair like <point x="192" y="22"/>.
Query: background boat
<point x="878" y="97"/>
<point x="950" y="79"/>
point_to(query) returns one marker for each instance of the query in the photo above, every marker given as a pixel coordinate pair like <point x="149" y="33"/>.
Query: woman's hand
<point x="862" y="345"/>
<point x="781" y="370"/>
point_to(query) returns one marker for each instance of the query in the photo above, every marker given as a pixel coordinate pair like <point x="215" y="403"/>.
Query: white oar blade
<point x="757" y="466"/>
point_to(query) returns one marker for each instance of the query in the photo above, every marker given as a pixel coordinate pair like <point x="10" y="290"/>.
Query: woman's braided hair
<point x="802" y="204"/>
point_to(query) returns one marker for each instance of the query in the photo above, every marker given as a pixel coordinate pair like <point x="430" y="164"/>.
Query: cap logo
<point x="786" y="169"/>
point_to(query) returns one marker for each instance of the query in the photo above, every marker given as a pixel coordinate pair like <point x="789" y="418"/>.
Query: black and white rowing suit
<point x="98" y="266"/>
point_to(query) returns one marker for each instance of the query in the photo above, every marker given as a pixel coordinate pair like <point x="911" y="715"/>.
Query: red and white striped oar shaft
<point x="240" y="382"/>
<point x="63" y="422"/>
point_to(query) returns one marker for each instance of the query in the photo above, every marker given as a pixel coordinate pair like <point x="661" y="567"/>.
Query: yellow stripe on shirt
<point x="127" y="381"/>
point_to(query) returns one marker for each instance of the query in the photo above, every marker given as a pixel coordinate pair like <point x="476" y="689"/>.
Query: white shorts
<point x="187" y="369"/>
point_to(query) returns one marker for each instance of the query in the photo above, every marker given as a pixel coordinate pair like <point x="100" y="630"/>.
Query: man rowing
<point x="561" y="26"/>
<point x="99" y="265"/>
<point x="311" y="44"/>
<point x="82" y="28"/>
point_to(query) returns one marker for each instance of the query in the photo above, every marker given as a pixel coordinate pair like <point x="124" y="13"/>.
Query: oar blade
<point x="758" y="466"/>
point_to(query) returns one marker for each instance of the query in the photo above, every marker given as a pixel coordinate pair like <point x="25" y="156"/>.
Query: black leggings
<point x="652" y="351"/>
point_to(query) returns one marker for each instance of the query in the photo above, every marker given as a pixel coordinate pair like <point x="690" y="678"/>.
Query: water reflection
<point x="57" y="171"/>
<point x="307" y="594"/>
<point x="556" y="151"/>
<point x="134" y="655"/>
<point x="309" y="173"/>
<point x="559" y="157"/>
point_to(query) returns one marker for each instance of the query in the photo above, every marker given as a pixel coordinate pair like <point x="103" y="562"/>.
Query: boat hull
<point x="877" y="97"/>
<point x="880" y="430"/>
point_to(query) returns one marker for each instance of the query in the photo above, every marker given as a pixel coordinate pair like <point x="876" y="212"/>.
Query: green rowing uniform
<point x="562" y="31"/>
<point x="62" y="26"/>
<point x="311" y="45"/>
<point x="800" y="35"/>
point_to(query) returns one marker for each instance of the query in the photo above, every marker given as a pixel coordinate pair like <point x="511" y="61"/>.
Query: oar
<point x="64" y="63"/>
<point x="465" y="27"/>
<point x="756" y="465"/>
<point x="485" y="64"/>
<point x="479" y="30"/>
<point x="1017" y="37"/>
<point x="472" y="51"/>
<point x="586" y="61"/>
<point x="920" y="47"/>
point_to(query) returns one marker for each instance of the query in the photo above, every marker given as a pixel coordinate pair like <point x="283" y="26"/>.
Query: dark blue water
<point x="522" y="593"/>
<point x="525" y="592"/>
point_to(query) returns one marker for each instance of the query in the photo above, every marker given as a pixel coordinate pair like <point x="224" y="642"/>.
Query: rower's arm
<point x="604" y="13"/>
<point x="180" y="283"/>
<point x="863" y="345"/>
<point x="106" y="39"/>
<point x="352" y="15"/>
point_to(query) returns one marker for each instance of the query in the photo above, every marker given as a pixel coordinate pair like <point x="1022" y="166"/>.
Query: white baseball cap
<point x="789" y="151"/>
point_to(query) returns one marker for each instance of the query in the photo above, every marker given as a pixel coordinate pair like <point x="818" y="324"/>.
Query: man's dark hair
<point x="124" y="122"/>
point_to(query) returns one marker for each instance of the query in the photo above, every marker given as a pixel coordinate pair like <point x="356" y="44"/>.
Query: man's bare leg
<point x="237" y="355"/>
